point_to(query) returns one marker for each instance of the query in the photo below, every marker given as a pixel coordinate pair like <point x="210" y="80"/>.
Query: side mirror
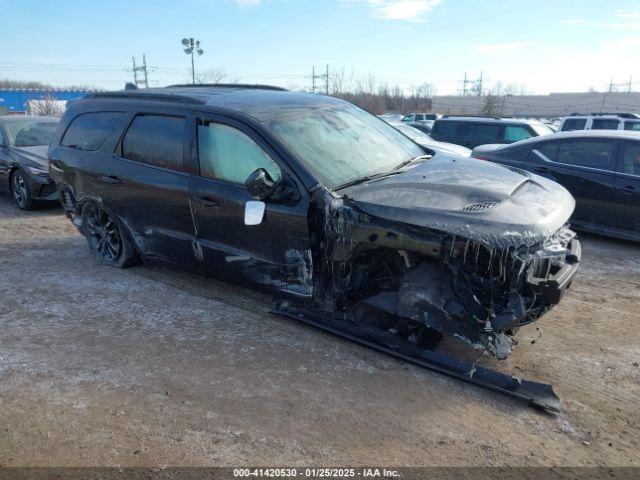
<point x="260" y="184"/>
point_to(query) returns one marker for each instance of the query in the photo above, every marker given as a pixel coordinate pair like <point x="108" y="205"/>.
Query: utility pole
<point x="464" y="85"/>
<point x="326" y="81"/>
<point x="611" y="86"/>
<point x="142" y="68"/>
<point x="480" y="84"/>
<point x="629" y="84"/>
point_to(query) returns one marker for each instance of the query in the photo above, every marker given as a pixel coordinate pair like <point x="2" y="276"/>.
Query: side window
<point x="445" y="128"/>
<point x="485" y="133"/>
<point x="419" y="117"/>
<point x="228" y="154"/>
<point x="631" y="158"/>
<point x="588" y="153"/>
<point x="634" y="126"/>
<point x="407" y="118"/>
<point x="156" y="140"/>
<point x="1" y="138"/>
<point x="604" y="124"/>
<point x="574" y="124"/>
<point x="89" y="130"/>
<point x="515" y="133"/>
<point x="549" y="150"/>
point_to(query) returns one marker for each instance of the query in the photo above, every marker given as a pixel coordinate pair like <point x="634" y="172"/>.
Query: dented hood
<point x="475" y="199"/>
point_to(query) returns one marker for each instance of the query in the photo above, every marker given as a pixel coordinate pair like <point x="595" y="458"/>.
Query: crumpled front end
<point x="398" y="280"/>
<point x="482" y="295"/>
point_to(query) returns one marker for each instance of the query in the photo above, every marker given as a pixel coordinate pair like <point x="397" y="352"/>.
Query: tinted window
<point x="631" y="158"/>
<point x="587" y="153"/>
<point x="574" y="124"/>
<point x="601" y="124"/>
<point x="486" y="133"/>
<point x="89" y="130"/>
<point x="419" y="117"/>
<point x="155" y="140"/>
<point x="549" y="150"/>
<point x="632" y="126"/>
<point x="228" y="154"/>
<point x="515" y="133"/>
<point x="445" y="128"/>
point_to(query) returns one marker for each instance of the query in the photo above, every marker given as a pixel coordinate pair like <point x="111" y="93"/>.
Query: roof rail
<point x="618" y="114"/>
<point x="229" y="85"/>
<point x="145" y="95"/>
<point x="474" y="116"/>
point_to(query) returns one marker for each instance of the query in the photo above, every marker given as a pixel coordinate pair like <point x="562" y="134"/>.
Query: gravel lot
<point x="149" y="367"/>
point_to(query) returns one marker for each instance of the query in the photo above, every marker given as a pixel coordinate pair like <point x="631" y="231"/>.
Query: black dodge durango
<point x="319" y="202"/>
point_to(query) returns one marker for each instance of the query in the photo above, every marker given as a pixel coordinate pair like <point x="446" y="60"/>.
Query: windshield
<point x="30" y="131"/>
<point x="342" y="143"/>
<point x="541" y="129"/>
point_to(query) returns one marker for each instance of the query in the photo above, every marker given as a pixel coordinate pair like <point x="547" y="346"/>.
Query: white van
<point x="600" y="122"/>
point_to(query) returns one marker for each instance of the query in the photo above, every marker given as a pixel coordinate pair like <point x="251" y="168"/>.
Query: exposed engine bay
<point x="420" y="283"/>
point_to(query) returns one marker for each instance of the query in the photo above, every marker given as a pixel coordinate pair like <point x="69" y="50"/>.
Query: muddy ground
<point x="149" y="367"/>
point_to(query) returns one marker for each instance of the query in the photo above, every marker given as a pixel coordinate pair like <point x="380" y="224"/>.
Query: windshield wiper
<point x="365" y="179"/>
<point x="411" y="160"/>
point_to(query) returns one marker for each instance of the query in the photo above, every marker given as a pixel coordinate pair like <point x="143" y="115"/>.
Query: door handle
<point x="208" y="202"/>
<point x="629" y="189"/>
<point x="112" y="179"/>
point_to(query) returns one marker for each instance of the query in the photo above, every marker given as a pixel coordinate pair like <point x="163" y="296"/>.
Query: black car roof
<point x="259" y="101"/>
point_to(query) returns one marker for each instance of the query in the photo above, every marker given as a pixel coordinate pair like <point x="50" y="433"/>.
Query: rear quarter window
<point x="89" y="131"/>
<point x="602" y="124"/>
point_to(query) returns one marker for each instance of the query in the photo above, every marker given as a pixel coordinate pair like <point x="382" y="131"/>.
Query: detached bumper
<point x="552" y="286"/>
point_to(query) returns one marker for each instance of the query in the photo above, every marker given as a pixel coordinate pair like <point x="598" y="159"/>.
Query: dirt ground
<point x="149" y="367"/>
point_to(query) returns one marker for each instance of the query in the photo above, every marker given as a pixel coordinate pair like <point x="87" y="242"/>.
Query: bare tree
<point x="215" y="75"/>
<point x="47" y="106"/>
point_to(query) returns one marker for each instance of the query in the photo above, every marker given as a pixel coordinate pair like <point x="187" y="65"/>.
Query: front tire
<point x="21" y="191"/>
<point x="107" y="238"/>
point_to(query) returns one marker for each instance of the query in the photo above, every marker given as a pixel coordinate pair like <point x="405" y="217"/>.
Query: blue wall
<point x="15" y="101"/>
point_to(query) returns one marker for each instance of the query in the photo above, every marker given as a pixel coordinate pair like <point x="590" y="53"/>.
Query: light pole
<point x="191" y="47"/>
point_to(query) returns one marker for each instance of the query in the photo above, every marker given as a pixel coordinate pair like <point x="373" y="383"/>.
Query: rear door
<point x="627" y="187"/>
<point x="274" y="254"/>
<point x="585" y="168"/>
<point x="146" y="183"/>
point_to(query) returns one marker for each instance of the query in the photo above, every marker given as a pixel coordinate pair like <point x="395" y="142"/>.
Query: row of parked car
<point x="596" y="157"/>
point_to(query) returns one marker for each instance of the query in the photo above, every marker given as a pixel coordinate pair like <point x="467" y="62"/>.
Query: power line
<point x="142" y="68"/>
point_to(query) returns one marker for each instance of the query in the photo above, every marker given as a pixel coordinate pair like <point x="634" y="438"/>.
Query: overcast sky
<point x="547" y="45"/>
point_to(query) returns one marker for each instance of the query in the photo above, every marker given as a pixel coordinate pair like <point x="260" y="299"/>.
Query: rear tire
<point x="21" y="192"/>
<point x="107" y="237"/>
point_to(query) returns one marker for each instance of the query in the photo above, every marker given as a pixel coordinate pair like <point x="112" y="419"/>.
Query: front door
<point x="274" y="254"/>
<point x="627" y="186"/>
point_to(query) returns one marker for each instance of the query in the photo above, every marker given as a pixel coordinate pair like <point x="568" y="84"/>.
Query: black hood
<point x="478" y="200"/>
<point x="37" y="154"/>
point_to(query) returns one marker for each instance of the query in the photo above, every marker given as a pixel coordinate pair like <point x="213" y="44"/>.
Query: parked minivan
<point x="473" y="131"/>
<point x="629" y="122"/>
<point x="331" y="209"/>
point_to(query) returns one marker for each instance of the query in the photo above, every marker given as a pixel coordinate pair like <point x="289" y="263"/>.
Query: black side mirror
<point x="260" y="184"/>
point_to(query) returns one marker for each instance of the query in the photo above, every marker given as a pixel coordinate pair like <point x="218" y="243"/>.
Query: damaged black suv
<point x="313" y="199"/>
